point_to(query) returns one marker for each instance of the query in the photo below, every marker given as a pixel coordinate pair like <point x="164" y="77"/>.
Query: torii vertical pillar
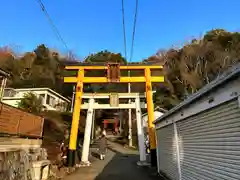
<point x="150" y="110"/>
<point x="87" y="134"/>
<point x="75" y="118"/>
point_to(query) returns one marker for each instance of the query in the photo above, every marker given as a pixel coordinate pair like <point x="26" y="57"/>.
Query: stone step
<point x="40" y="170"/>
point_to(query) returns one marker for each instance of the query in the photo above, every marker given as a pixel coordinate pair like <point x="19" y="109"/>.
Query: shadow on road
<point x="123" y="167"/>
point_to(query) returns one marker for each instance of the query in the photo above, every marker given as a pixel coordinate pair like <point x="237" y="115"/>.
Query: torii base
<point x="143" y="163"/>
<point x="84" y="164"/>
<point x="153" y="155"/>
<point x="71" y="158"/>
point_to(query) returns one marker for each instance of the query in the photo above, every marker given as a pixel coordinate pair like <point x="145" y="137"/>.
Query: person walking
<point x="103" y="145"/>
<point x="64" y="149"/>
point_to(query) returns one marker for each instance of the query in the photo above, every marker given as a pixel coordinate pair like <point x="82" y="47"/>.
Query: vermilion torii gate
<point x="113" y="76"/>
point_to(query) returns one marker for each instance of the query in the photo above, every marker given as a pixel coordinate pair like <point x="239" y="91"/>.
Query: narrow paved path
<point x="120" y="164"/>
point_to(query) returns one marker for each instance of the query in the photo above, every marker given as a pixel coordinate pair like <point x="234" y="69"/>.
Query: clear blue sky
<point x="93" y="25"/>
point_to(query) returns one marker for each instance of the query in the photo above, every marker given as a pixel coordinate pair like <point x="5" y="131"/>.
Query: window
<point x="42" y="96"/>
<point x="1" y="80"/>
<point x="50" y="101"/>
<point x="9" y="93"/>
<point x="61" y="106"/>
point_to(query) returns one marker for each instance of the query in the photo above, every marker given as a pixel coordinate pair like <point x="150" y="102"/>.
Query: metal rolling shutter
<point x="210" y="144"/>
<point x="167" y="159"/>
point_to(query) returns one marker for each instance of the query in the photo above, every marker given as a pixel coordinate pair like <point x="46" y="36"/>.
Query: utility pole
<point x="120" y="120"/>
<point x="129" y="116"/>
<point x="93" y="126"/>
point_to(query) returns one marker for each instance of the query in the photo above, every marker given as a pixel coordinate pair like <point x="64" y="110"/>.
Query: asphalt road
<point x="119" y="164"/>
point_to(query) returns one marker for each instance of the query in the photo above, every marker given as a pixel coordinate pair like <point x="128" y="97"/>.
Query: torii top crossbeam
<point x="108" y="95"/>
<point x="125" y="79"/>
<point x="113" y="76"/>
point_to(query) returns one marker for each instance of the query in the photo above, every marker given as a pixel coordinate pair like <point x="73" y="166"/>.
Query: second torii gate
<point x="113" y="76"/>
<point x="93" y="105"/>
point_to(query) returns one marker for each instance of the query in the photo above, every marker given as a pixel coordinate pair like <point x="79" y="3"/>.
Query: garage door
<point x="210" y="144"/>
<point x="166" y="150"/>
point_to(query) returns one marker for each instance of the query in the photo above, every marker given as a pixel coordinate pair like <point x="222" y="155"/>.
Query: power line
<point x="134" y="29"/>
<point x="124" y="31"/>
<point x="55" y="30"/>
<point x="129" y="84"/>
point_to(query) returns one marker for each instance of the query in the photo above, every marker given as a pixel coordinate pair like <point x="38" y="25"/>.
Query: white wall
<point x="12" y="102"/>
<point x="57" y="100"/>
<point x="157" y="114"/>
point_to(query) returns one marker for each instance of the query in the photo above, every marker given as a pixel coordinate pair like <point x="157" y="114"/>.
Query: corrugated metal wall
<point x="209" y="145"/>
<point x="167" y="152"/>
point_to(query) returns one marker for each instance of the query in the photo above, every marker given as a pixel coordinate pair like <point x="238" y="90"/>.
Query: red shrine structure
<point x="113" y="121"/>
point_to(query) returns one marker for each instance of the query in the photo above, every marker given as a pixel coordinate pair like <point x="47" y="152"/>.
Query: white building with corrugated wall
<point x="200" y="138"/>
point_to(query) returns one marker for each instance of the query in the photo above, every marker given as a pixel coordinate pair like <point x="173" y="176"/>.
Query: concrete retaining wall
<point x="20" y="142"/>
<point x="14" y="164"/>
<point x="22" y="159"/>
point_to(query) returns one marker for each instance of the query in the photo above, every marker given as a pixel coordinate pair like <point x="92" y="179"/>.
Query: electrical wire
<point x="124" y="31"/>
<point x="55" y="30"/>
<point x="134" y="30"/>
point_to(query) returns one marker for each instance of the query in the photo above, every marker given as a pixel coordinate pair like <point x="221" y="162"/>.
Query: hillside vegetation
<point x="186" y="69"/>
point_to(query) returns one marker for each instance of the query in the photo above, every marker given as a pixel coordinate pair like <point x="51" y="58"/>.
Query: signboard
<point x="114" y="100"/>
<point x="113" y="72"/>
